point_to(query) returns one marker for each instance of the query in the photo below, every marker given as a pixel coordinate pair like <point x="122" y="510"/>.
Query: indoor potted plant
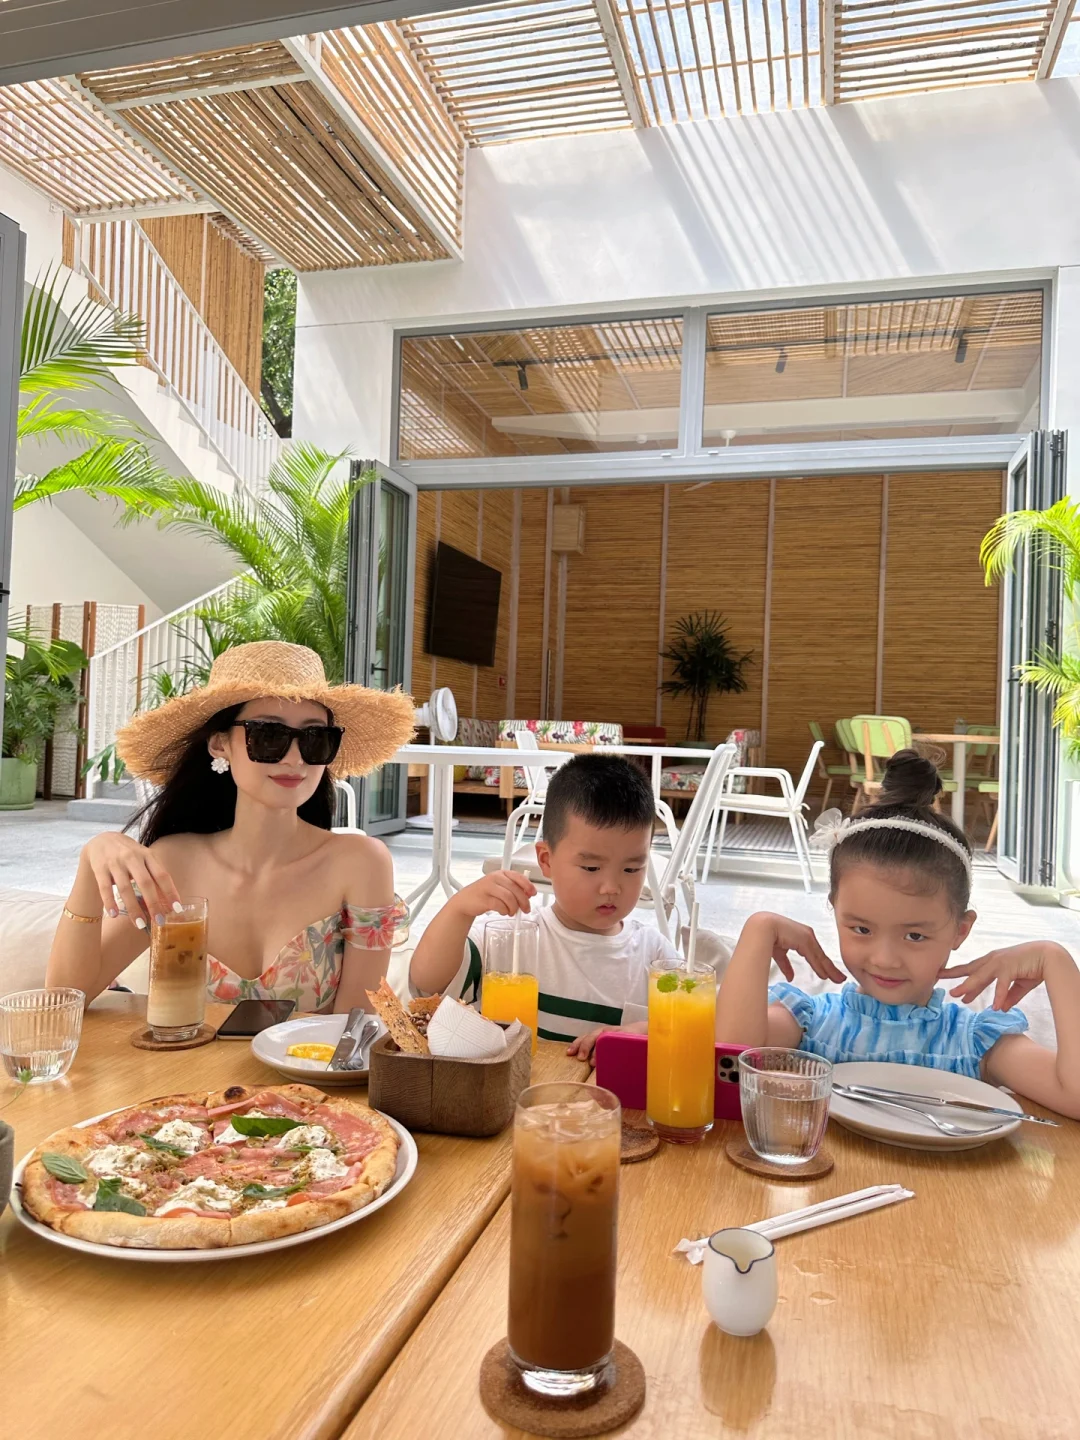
<point x="703" y="661"/>
<point x="39" y="683"/>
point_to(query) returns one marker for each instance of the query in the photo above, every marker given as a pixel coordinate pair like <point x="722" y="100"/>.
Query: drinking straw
<point x="691" y="946"/>
<point x="515" y="962"/>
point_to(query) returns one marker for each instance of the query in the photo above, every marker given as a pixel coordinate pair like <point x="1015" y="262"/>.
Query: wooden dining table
<point x="951" y="1316"/>
<point x="283" y="1346"/>
<point x="959" y="745"/>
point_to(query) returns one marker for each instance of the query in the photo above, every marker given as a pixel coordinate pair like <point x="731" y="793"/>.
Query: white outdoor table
<point x="656" y="753"/>
<point x="443" y="759"/>
<point x="959" y="744"/>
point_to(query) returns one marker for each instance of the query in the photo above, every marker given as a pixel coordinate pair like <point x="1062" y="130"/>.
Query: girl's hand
<point x="121" y="861"/>
<point x="1014" y="972"/>
<point x="783" y="935"/>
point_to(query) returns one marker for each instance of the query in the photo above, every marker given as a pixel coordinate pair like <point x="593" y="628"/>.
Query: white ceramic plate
<point x="407" y="1157"/>
<point x="270" y="1046"/>
<point x="911" y="1132"/>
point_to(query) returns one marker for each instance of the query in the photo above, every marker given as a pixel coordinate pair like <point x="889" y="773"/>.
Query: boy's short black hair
<point x="604" y="790"/>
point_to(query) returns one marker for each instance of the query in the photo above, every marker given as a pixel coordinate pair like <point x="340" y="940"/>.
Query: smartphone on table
<point x="622" y="1066"/>
<point x="252" y="1016"/>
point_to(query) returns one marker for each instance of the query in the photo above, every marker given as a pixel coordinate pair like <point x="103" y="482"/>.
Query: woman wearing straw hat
<point x="243" y="818"/>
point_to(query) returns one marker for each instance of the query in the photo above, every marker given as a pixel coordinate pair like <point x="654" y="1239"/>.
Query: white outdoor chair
<point x="352" y="818"/>
<point x="788" y="805"/>
<point x="678" y="873"/>
<point x="518" y="852"/>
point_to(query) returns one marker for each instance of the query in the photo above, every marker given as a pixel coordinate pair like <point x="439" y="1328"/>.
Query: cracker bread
<point x="403" y="1029"/>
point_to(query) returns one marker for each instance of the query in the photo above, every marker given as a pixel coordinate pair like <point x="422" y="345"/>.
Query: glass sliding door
<point x="382" y="543"/>
<point x="1031" y="626"/>
<point x="12" y="265"/>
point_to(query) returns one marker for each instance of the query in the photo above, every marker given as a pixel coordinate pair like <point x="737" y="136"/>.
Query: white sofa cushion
<point x="28" y="921"/>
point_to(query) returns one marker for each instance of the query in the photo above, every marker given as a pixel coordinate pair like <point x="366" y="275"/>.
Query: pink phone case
<point x="622" y="1062"/>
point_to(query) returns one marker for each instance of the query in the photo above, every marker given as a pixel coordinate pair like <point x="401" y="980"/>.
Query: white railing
<point x="119" y="260"/>
<point x="122" y="680"/>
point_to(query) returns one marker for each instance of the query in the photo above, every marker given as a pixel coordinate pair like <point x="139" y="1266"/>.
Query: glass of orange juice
<point x="682" y="1052"/>
<point x="510" y="989"/>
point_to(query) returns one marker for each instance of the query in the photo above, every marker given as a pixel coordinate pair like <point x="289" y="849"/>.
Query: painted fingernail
<point x="178" y="908"/>
<point x="113" y="913"/>
<point x="159" y="919"/>
<point x="140" y="923"/>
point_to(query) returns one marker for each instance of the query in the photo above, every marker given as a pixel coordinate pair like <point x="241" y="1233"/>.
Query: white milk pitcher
<point x="739" y="1281"/>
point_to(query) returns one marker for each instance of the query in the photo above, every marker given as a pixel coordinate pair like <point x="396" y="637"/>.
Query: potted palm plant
<point x="39" y="684"/>
<point x="703" y="663"/>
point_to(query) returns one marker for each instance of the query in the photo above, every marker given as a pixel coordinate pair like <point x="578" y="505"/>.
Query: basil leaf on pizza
<point x="64" y="1168"/>
<point x="255" y="1191"/>
<point x="156" y="1144"/>
<point x="263" y="1124"/>
<point x="110" y="1197"/>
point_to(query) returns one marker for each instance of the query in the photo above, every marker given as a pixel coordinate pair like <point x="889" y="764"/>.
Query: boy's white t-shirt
<point x="586" y="980"/>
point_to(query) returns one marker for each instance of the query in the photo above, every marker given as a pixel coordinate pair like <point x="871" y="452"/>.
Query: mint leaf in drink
<point x="155" y="1144"/>
<point x="110" y="1197"/>
<point x="689" y="984"/>
<point x="64" y="1168"/>
<point x="256" y="1191"/>
<point x="667" y="983"/>
<point x="263" y="1124"/>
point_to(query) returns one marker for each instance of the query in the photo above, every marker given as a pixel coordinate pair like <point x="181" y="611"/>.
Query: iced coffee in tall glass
<point x="564" y="1225"/>
<point x="176" y="1004"/>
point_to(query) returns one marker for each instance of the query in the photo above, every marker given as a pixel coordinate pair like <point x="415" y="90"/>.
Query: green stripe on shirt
<point x="580" y="1010"/>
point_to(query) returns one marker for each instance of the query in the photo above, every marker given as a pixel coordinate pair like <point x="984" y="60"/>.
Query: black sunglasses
<point x="269" y="741"/>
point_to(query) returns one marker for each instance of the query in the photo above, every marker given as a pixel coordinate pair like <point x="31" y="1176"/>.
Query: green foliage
<point x="279" y="346"/>
<point x="62" y="352"/>
<point x="39" y="684"/>
<point x="703" y="662"/>
<point x="1053" y="536"/>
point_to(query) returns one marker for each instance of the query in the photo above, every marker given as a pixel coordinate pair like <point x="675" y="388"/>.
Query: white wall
<point x="53" y="562"/>
<point x="39" y="219"/>
<point x="981" y="183"/>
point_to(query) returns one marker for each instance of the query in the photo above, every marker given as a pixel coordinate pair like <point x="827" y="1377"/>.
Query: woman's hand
<point x="782" y="935"/>
<point x="121" y="861"/>
<point x="1013" y="971"/>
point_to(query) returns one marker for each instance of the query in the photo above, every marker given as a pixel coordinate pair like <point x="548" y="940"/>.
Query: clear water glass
<point x="785" y="1103"/>
<point x="39" y="1032"/>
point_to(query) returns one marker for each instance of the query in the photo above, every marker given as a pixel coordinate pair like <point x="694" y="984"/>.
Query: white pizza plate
<point x="911" y="1132"/>
<point x="270" y="1046"/>
<point x="407" y="1157"/>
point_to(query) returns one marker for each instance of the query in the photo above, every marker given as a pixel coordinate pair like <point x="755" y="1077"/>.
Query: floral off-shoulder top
<point x="308" y="968"/>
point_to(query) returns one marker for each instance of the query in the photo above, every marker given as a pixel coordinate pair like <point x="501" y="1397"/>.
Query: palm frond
<point x="43" y="419"/>
<point x="1054" y="536"/>
<point x="123" y="470"/>
<point x="76" y="349"/>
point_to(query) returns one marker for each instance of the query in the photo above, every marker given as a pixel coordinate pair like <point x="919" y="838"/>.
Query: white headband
<point x="831" y="829"/>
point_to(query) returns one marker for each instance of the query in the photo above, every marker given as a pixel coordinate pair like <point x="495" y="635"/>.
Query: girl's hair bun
<point x="910" y="780"/>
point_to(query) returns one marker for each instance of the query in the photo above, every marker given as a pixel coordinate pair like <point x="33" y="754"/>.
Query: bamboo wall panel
<point x="716" y="561"/>
<point x="611" y="607"/>
<point x="530" y="653"/>
<point x="824" y="614"/>
<point x="941" y="621"/>
<point x="426" y="504"/>
<point x="497" y="533"/>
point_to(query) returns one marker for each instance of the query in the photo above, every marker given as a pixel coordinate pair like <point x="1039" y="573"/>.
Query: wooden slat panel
<point x="240" y="64"/>
<point x="611" y="607"/>
<point x="941" y="621"/>
<point x="826" y="553"/>
<point x="716" y="561"/>
<point x="530" y="658"/>
<point x="497" y="538"/>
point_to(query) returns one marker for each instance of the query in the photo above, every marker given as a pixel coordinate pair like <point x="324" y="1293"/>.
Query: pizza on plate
<point x="202" y="1171"/>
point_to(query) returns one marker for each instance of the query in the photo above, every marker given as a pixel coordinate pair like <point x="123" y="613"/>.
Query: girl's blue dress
<point x="848" y="1025"/>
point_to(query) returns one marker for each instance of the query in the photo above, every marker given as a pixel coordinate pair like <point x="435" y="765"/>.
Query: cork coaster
<point x="143" y="1039"/>
<point x="506" y="1398"/>
<point x="738" y="1150"/>
<point x="639" y="1142"/>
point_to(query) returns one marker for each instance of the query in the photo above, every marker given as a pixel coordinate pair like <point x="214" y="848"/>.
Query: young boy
<point x="593" y="961"/>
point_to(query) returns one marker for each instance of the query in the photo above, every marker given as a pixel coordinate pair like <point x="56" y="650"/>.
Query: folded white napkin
<point x="824" y="1213"/>
<point x="460" y="1033"/>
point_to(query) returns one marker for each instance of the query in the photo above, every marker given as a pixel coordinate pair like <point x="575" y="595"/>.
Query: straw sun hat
<point x="376" y="722"/>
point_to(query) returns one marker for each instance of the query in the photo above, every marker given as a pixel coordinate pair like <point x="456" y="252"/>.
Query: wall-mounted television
<point x="463" y="611"/>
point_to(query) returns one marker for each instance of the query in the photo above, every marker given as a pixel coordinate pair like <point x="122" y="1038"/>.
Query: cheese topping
<point x="268" y="1205"/>
<point x="117" y="1160"/>
<point x="320" y="1165"/>
<point x="314" y="1135"/>
<point x="232" y="1136"/>
<point x="183" y="1134"/>
<point x="199" y="1194"/>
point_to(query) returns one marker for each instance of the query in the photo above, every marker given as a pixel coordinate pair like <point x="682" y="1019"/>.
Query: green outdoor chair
<point x="876" y="737"/>
<point x="827" y="772"/>
<point x="992" y="787"/>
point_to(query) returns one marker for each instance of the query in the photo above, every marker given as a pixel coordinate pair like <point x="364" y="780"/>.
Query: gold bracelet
<point x="82" y="919"/>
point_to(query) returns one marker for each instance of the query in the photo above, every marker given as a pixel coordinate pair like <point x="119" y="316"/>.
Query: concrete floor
<point x="39" y="850"/>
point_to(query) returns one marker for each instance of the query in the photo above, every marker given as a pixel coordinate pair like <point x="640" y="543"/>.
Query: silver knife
<point x="939" y="1101"/>
<point x="349" y="1039"/>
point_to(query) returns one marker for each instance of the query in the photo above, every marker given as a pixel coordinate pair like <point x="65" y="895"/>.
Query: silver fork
<point x="960" y="1132"/>
<point x="359" y="1058"/>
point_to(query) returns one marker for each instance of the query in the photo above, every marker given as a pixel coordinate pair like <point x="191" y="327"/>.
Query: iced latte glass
<point x="563" y="1232"/>
<point x="176" y="1004"/>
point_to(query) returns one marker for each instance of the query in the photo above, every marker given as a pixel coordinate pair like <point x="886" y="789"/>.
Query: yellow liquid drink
<point x="682" y="1053"/>
<point x="509" y="997"/>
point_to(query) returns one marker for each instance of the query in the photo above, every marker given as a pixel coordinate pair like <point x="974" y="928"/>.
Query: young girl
<point x="900" y="882"/>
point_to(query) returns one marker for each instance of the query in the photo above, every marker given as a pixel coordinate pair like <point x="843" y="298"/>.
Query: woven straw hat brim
<point x="376" y="723"/>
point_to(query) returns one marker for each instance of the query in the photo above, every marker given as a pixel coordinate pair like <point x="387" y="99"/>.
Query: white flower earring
<point x="219" y="765"/>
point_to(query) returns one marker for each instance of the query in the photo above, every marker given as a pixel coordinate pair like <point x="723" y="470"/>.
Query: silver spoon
<point x="960" y="1132"/>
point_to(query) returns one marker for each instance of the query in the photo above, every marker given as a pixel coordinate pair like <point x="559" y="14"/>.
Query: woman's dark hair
<point x="909" y="787"/>
<point x="197" y="801"/>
